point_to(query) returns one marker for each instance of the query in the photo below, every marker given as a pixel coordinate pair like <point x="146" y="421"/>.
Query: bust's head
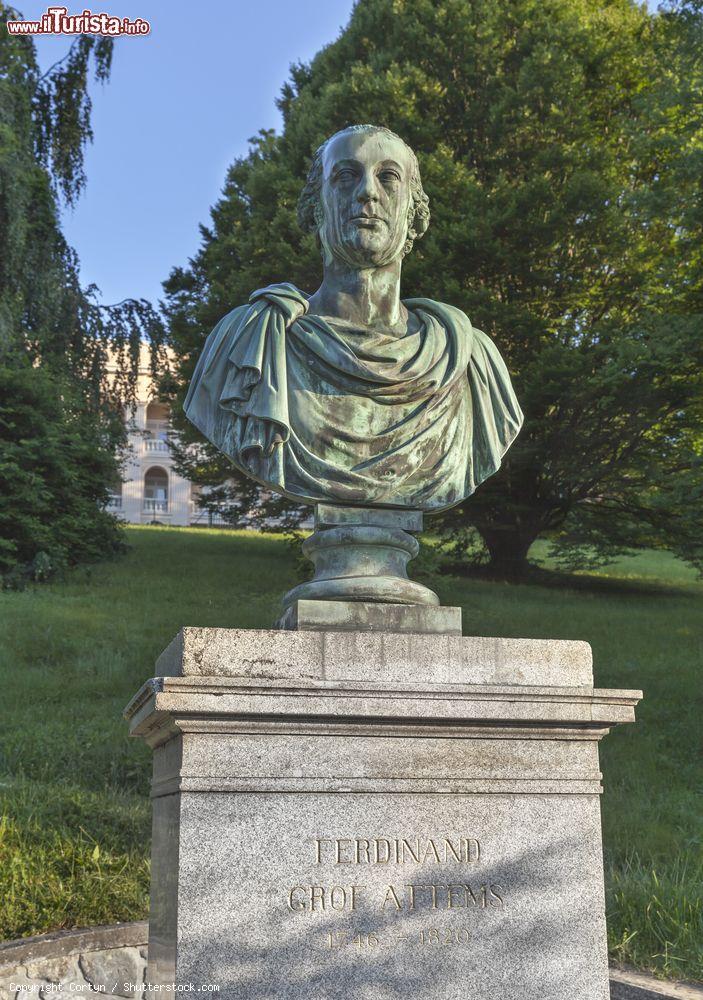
<point x="363" y="197"/>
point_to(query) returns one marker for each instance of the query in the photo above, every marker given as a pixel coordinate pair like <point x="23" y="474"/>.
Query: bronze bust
<point x="351" y="395"/>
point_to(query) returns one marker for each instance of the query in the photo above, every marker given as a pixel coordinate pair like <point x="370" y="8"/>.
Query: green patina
<point x="352" y="395"/>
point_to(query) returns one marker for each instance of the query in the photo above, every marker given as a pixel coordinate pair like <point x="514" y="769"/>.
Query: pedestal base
<point x="370" y="816"/>
<point x="361" y="554"/>
<point x="358" y="616"/>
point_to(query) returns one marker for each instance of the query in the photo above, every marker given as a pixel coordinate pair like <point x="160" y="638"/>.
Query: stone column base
<point x="362" y="554"/>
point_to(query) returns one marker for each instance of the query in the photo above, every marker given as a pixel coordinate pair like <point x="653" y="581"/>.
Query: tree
<point x="60" y="411"/>
<point x="56" y="465"/>
<point x="560" y="143"/>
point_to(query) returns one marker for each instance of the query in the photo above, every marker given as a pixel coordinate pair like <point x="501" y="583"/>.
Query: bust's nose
<point x="368" y="188"/>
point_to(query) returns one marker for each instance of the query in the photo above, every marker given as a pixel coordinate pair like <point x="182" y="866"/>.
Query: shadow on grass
<point x="585" y="582"/>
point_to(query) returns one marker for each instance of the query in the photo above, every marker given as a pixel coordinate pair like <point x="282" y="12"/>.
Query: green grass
<point x="74" y="842"/>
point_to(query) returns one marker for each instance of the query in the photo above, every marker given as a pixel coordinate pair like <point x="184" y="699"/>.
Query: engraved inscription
<point x="401" y="896"/>
<point x="424" y="937"/>
<point x="321" y="897"/>
<point x="396" y="850"/>
<point x="442" y="897"/>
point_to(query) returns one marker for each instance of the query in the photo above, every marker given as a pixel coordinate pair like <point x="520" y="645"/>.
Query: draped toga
<point x="323" y="412"/>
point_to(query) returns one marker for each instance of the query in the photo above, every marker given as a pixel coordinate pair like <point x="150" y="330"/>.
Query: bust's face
<point x="365" y="198"/>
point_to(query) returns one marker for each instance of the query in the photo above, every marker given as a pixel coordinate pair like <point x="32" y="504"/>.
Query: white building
<point x="151" y="489"/>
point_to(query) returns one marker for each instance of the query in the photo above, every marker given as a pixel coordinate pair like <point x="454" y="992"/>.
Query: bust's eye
<point x="345" y="174"/>
<point x="389" y="176"/>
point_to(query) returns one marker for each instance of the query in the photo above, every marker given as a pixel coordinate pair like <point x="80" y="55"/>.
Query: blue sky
<point x="179" y="107"/>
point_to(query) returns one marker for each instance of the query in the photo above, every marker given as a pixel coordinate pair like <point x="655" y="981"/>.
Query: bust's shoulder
<point x="234" y="315"/>
<point x="443" y="311"/>
<point x="228" y="323"/>
<point x="283" y="295"/>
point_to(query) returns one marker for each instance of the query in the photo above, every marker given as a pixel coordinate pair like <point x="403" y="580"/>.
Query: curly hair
<point x="310" y="206"/>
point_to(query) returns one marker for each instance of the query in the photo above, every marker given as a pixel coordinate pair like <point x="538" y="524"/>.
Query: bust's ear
<point x="309" y="204"/>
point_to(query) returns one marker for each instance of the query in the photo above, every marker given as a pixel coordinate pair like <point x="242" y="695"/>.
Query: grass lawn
<point x="74" y="839"/>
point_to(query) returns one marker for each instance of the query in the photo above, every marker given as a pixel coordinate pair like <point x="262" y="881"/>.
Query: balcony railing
<point x="199" y="516"/>
<point x="155" y="444"/>
<point x="156" y="506"/>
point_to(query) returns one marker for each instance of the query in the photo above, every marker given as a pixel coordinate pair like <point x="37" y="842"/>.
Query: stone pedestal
<point x="376" y="816"/>
<point x="367" y="616"/>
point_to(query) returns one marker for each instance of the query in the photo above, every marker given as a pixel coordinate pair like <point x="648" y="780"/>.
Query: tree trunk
<point x="508" y="546"/>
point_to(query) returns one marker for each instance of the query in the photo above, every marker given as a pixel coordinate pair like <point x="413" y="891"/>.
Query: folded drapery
<point x="322" y="411"/>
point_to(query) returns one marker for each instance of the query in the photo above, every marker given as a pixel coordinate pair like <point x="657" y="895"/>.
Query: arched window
<point x="157" y="415"/>
<point x="156" y="490"/>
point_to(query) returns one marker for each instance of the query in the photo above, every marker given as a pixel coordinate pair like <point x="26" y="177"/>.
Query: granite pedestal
<point x="372" y="816"/>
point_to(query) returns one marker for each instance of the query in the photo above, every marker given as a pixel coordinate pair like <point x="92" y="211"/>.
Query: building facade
<point x="151" y="490"/>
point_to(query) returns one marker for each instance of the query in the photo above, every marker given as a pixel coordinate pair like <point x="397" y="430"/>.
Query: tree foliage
<point x="561" y="144"/>
<point x="56" y="465"/>
<point x="60" y="432"/>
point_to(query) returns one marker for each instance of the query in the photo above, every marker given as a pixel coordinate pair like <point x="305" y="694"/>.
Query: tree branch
<point x="59" y="61"/>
